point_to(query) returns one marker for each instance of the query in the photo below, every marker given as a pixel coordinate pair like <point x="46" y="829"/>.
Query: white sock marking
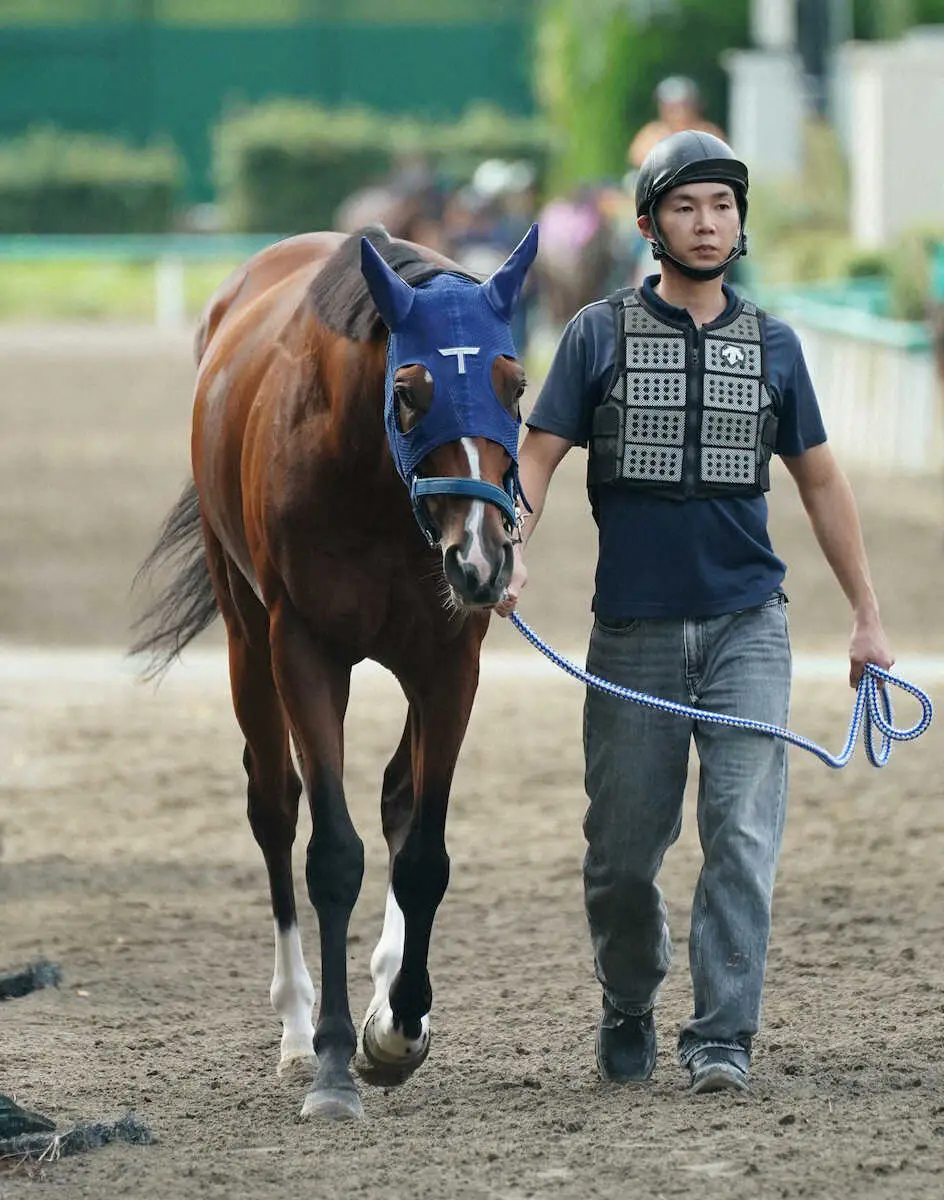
<point x="384" y="965"/>
<point x="293" y="995"/>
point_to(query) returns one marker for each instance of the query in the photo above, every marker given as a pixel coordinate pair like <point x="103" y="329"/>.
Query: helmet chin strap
<point x="702" y="274"/>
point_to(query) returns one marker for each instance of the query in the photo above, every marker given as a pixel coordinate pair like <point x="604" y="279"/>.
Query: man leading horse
<point x="682" y="393"/>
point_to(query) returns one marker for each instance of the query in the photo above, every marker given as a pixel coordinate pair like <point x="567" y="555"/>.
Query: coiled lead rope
<point x="872" y="711"/>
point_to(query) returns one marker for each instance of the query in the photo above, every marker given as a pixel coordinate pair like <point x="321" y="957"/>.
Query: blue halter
<point x="455" y="328"/>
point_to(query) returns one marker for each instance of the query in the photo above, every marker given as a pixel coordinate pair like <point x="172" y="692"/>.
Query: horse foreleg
<point x="388" y="1055"/>
<point x="314" y="689"/>
<point x="398" y="1040"/>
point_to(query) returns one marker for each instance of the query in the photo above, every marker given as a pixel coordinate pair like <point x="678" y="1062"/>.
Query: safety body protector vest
<point x="688" y="412"/>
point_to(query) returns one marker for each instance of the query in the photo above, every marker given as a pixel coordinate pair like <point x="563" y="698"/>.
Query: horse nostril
<point x="451" y="561"/>
<point x="459" y="573"/>
<point x="501" y="572"/>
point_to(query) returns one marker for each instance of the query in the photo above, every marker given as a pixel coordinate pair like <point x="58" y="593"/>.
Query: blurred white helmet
<point x="678" y="89"/>
<point x="496" y="177"/>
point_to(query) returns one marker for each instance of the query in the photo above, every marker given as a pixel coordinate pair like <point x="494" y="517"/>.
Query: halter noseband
<point x="503" y="498"/>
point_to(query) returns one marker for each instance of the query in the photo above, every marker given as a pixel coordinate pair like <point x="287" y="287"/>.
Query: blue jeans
<point x="636" y="766"/>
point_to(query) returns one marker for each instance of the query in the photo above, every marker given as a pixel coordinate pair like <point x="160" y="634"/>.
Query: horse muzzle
<point x="474" y="587"/>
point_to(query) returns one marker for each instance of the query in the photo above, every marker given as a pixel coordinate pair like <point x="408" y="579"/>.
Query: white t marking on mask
<point x="460" y="352"/>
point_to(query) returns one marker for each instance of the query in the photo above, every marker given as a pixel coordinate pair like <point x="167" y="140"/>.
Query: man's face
<point x="699" y="223"/>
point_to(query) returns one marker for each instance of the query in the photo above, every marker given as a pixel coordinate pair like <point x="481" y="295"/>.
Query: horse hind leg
<point x="292" y="992"/>
<point x="389" y="1054"/>
<point x="273" y="794"/>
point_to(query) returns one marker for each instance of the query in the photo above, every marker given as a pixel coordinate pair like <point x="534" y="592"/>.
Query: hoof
<point x="333" y="1104"/>
<point x="379" y="1068"/>
<point x="299" y="1068"/>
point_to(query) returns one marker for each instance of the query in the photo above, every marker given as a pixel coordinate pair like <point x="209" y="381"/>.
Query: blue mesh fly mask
<point x="455" y="328"/>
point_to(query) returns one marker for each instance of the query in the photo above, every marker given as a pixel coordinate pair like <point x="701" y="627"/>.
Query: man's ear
<point x="645" y="227"/>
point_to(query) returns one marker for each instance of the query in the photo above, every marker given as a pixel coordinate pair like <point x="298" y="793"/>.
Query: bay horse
<point x="354" y="495"/>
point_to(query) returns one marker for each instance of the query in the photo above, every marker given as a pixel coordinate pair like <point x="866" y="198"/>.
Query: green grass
<point x="79" y="291"/>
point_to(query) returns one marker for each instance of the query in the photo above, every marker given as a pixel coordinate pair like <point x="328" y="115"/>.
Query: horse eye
<point x="404" y="394"/>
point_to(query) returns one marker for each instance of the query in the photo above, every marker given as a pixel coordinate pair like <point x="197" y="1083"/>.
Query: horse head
<point x="453" y="385"/>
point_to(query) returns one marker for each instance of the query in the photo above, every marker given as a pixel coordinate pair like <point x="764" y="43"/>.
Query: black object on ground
<point x="16" y="1120"/>
<point x="50" y="1146"/>
<point x="37" y="975"/>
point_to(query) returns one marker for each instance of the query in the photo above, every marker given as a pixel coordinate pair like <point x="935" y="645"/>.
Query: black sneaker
<point x="719" y="1069"/>
<point x="626" y="1045"/>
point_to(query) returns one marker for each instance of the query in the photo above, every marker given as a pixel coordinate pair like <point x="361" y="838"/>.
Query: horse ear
<point x="392" y="295"/>
<point x="504" y="287"/>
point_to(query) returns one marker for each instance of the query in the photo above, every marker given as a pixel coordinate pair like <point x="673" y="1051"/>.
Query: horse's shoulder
<point x="304" y="250"/>
<point x="291" y="263"/>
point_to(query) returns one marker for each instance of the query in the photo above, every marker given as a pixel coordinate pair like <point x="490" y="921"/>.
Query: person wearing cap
<point x="680" y="107"/>
<point x="679" y="103"/>
<point x="682" y="392"/>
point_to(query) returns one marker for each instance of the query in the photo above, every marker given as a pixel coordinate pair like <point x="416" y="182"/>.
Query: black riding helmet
<point x="690" y="157"/>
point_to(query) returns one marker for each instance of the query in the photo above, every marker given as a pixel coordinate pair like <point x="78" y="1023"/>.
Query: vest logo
<point x="460" y="352"/>
<point x="734" y="356"/>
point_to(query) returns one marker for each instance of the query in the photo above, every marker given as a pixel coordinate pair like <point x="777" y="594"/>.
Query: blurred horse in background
<point x="577" y="256"/>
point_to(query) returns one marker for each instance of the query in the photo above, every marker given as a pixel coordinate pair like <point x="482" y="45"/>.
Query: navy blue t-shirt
<point x="670" y="558"/>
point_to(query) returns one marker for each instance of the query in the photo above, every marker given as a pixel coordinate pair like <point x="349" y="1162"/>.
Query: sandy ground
<point x="126" y="857"/>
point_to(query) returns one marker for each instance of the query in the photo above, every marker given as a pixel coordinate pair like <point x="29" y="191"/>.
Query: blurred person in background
<point x="682" y="392"/>
<point x="576" y="253"/>
<point x="485" y="219"/>
<point x="679" y="105"/>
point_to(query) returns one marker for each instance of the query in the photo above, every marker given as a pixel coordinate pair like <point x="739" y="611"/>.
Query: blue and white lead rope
<point x="869" y="711"/>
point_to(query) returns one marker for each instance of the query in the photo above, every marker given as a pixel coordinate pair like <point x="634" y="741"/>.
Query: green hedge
<point x="285" y="166"/>
<point x="57" y="182"/>
<point x="482" y="132"/>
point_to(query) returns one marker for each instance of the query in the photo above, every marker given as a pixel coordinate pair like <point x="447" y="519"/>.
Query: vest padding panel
<point x="689" y="413"/>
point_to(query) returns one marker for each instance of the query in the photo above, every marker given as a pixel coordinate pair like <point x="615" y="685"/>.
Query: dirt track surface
<point x="126" y="857"/>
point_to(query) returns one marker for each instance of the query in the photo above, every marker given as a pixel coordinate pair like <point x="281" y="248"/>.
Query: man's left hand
<point x="868" y="645"/>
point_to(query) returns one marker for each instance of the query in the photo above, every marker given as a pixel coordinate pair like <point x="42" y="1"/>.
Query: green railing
<point x="854" y="308"/>
<point x="132" y="247"/>
<point x="937" y="272"/>
<point x="170" y="254"/>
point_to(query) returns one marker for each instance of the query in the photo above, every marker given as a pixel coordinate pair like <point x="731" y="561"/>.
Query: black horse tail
<point x="186" y="604"/>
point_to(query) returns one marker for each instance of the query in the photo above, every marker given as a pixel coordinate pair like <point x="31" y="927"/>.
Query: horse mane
<point x="339" y="295"/>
